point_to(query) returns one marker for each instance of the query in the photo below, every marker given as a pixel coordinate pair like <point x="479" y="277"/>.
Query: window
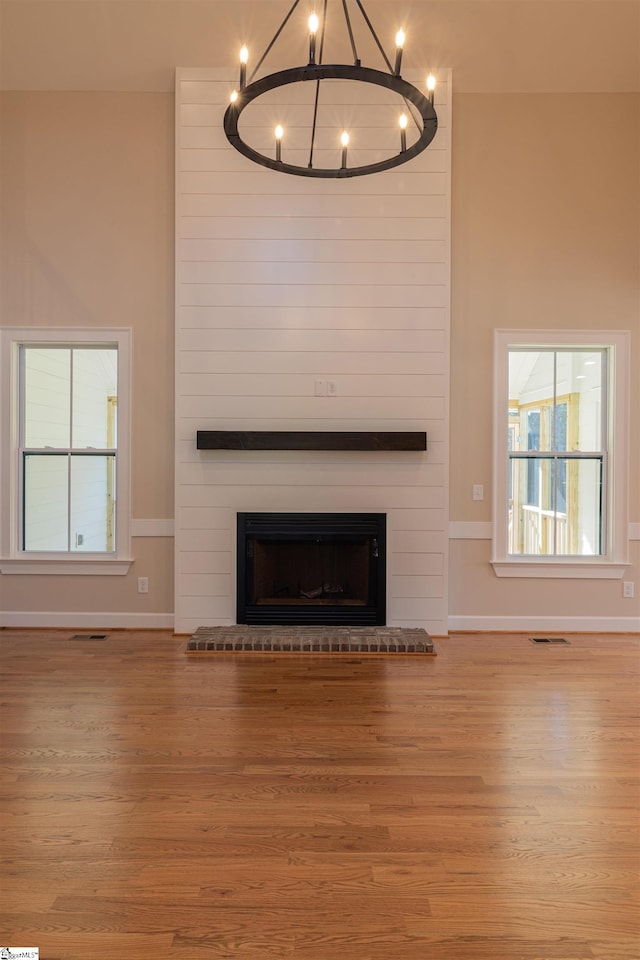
<point x="65" y="422"/>
<point x="557" y="454"/>
<point x="68" y="447"/>
<point x="560" y="491"/>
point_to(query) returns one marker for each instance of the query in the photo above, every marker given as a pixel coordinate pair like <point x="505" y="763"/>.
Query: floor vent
<point x="548" y="640"/>
<point x="90" y="636"/>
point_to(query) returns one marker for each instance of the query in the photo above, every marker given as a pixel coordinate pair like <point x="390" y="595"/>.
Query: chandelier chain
<point x="347" y="20"/>
<point x="374" y="35"/>
<point x="273" y="40"/>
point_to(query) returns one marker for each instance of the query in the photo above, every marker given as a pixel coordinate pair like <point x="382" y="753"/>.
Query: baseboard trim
<point x="545" y="624"/>
<point x="87" y="621"/>
<point x="165" y="621"/>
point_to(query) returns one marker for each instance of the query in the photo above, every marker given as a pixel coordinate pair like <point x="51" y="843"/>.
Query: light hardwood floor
<point x="479" y="805"/>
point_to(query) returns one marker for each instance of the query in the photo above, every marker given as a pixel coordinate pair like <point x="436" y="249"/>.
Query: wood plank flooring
<point x="479" y="805"/>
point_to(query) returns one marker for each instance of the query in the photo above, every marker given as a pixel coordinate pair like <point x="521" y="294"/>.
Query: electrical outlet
<point x="478" y="491"/>
<point x="628" y="589"/>
<point x="332" y="388"/>
<point x="143" y="584"/>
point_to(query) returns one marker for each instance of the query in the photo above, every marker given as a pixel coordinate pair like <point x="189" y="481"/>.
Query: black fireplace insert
<point x="312" y="568"/>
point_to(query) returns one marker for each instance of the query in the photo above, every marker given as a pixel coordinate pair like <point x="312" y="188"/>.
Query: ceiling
<point x="493" y="46"/>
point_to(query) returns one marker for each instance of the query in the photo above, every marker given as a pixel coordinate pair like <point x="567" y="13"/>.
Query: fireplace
<point x="312" y="568"/>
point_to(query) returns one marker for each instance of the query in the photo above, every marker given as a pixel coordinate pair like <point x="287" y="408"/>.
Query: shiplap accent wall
<point x="282" y="281"/>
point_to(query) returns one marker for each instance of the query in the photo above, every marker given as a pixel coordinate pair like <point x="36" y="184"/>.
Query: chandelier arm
<point x="323" y="31"/>
<point x="374" y="34"/>
<point x="411" y="107"/>
<point x="313" y="126"/>
<point x="275" y="37"/>
<point x="317" y="96"/>
<point x="347" y="20"/>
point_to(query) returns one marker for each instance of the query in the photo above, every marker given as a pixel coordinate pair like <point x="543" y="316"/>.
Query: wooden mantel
<point x="309" y="440"/>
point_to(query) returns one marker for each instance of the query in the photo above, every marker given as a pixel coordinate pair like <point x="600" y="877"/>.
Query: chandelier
<point x="416" y="118"/>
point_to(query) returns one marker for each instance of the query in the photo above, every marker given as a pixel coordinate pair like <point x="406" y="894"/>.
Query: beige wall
<point x="493" y="46"/>
<point x="86" y="227"/>
<point x="546" y="229"/>
<point x="546" y="213"/>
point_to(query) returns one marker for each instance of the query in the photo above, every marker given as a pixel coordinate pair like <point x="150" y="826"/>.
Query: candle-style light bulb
<point x="314" y="23"/>
<point x="403" y="131"/>
<point x="234" y="96"/>
<point x="431" y="86"/>
<point x="279" y="134"/>
<point x="244" y="56"/>
<point x="400" y="39"/>
<point x="344" y="140"/>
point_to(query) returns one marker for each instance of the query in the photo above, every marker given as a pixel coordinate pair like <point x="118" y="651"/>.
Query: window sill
<point x="559" y="569"/>
<point x="87" y="566"/>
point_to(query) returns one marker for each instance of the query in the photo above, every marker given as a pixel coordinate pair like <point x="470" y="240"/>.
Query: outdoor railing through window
<point x="566" y="516"/>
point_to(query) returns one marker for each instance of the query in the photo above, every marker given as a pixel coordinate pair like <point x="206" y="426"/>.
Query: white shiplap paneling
<point x="282" y="280"/>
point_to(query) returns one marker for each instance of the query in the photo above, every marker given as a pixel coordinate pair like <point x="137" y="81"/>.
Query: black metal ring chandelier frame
<point x="426" y="121"/>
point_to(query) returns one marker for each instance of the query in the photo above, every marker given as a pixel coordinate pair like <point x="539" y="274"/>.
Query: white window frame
<point x="13" y="560"/>
<point x="613" y="561"/>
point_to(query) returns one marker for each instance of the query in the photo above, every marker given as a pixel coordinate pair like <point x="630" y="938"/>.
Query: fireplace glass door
<point x="311" y="568"/>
